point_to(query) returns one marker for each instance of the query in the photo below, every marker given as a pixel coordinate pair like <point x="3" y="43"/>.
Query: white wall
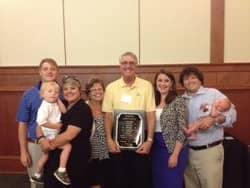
<point x="29" y="31"/>
<point x="237" y="31"/>
<point x="175" y="31"/>
<point x="98" y="32"/>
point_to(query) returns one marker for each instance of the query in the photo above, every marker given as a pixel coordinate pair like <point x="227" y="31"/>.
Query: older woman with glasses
<point x="76" y="129"/>
<point x="99" y="154"/>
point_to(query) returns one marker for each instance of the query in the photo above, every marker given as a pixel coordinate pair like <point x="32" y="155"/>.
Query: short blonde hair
<point x="46" y="85"/>
<point x="71" y="80"/>
<point x="91" y="83"/>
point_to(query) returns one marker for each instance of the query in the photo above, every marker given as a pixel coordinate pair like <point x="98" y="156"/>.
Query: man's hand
<point x="25" y="159"/>
<point x="207" y="122"/>
<point x="113" y="147"/>
<point x="144" y="148"/>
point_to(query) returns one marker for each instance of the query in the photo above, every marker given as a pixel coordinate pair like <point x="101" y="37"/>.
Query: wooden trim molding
<point x="217" y="31"/>
<point x="221" y="76"/>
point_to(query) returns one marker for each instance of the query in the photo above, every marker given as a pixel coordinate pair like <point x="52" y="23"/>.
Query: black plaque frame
<point x="129" y="129"/>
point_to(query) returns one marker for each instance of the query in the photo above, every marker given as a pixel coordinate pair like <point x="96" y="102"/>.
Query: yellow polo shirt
<point x="119" y="96"/>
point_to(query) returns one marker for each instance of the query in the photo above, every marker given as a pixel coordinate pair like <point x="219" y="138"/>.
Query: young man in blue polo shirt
<point x="26" y="116"/>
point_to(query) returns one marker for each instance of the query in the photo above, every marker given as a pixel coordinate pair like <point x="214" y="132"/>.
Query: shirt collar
<point x="123" y="84"/>
<point x="200" y="91"/>
<point x="38" y="85"/>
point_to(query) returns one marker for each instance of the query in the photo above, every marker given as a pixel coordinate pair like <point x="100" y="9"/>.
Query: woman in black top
<point x="76" y="129"/>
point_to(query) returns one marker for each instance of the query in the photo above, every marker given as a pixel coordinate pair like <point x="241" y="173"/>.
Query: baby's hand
<point x="58" y="100"/>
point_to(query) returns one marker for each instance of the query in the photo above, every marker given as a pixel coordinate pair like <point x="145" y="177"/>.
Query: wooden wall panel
<point x="8" y="125"/>
<point x="232" y="79"/>
<point x="217" y="31"/>
<point x="241" y="99"/>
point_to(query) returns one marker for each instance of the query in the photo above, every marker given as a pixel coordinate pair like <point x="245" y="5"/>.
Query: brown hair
<point x="172" y="94"/>
<point x="91" y="83"/>
<point x="48" y="60"/>
<point x="187" y="71"/>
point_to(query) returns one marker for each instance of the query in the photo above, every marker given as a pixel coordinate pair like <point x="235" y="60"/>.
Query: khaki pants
<point x="205" y="168"/>
<point x="35" y="153"/>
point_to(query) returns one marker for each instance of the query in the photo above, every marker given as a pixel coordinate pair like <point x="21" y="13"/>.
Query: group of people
<point x="66" y="141"/>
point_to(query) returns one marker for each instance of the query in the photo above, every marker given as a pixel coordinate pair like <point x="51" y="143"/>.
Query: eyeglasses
<point x="96" y="89"/>
<point x="68" y="77"/>
<point x="127" y="63"/>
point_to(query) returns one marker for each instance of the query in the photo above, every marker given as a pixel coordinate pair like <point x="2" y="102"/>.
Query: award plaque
<point x="129" y="129"/>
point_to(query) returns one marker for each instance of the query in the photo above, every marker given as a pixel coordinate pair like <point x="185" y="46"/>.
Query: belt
<point x="206" y="146"/>
<point x="32" y="141"/>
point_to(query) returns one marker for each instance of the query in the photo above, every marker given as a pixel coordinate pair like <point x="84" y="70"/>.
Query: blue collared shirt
<point x="28" y="107"/>
<point x="207" y="96"/>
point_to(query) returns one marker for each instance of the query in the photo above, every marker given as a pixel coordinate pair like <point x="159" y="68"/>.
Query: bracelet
<point x="149" y="139"/>
<point x="39" y="139"/>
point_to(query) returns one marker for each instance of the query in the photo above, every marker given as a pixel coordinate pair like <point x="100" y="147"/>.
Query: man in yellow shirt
<point x="129" y="168"/>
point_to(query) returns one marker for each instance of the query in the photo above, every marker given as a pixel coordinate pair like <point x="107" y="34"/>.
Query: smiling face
<point x="50" y="92"/>
<point x="163" y="84"/>
<point x="96" y="92"/>
<point x="128" y="67"/>
<point x="71" y="93"/>
<point x="48" y="72"/>
<point x="191" y="83"/>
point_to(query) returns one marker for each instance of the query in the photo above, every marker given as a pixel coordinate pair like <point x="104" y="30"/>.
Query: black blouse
<point x="80" y="116"/>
